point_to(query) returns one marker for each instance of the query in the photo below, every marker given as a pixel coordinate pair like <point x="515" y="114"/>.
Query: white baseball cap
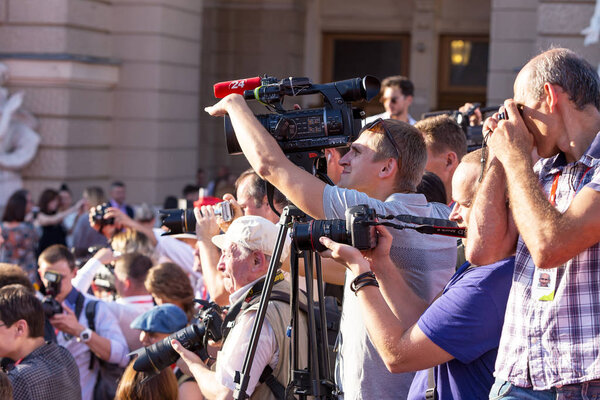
<point x="254" y="233"/>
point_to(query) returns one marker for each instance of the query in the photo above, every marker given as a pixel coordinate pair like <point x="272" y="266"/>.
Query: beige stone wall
<point x="156" y="106"/>
<point x="73" y="100"/>
<point x="521" y="29"/>
<point x="127" y="101"/>
<point x="242" y="39"/>
<point x="131" y="113"/>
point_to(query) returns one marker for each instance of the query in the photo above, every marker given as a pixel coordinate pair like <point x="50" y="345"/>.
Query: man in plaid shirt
<point x="550" y="345"/>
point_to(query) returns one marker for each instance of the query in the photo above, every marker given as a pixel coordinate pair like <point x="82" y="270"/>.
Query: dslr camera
<point x="358" y="230"/>
<point x="194" y="337"/>
<point x="184" y="220"/>
<point x="99" y="215"/>
<point x="335" y="124"/>
<point x="49" y="303"/>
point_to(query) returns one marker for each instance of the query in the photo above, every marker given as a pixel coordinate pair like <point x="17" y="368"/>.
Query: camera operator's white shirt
<point x="231" y="357"/>
<point x="106" y="326"/>
<point x="426" y="262"/>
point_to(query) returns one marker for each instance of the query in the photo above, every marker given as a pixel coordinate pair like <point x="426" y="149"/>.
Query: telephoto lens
<point x="178" y="221"/>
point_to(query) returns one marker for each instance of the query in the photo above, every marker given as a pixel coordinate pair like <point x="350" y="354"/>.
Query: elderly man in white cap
<point x="246" y="252"/>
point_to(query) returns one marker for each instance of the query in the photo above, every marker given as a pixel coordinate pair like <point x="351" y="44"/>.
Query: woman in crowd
<point x="134" y="385"/>
<point x="168" y="283"/>
<point x="51" y="219"/>
<point x="19" y="234"/>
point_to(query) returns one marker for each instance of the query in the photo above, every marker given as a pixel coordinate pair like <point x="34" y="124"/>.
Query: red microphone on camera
<point x="238" y="86"/>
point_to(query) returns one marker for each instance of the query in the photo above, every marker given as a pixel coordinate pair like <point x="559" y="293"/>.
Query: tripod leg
<point x="242" y="378"/>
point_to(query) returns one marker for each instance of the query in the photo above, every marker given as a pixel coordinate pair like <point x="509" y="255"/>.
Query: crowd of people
<point x="511" y="311"/>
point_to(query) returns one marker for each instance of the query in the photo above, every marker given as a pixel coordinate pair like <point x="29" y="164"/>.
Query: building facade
<point x="119" y="86"/>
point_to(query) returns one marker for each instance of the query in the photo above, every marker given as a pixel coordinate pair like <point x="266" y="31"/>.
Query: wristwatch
<point x="85" y="335"/>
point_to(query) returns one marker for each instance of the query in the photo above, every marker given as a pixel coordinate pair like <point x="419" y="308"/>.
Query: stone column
<point x="242" y="39"/>
<point x="154" y="138"/>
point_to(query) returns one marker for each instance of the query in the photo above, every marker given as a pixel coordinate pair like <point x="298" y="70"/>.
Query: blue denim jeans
<point x="582" y="391"/>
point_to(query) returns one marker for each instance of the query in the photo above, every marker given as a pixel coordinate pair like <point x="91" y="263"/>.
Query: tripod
<point x="316" y="380"/>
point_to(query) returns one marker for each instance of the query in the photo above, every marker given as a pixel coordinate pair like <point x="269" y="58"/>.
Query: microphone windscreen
<point x="238" y="86"/>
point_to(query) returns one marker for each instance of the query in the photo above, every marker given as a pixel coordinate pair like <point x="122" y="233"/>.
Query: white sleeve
<point x="85" y="275"/>
<point x="231" y="357"/>
<point x="180" y="253"/>
<point x="107" y="326"/>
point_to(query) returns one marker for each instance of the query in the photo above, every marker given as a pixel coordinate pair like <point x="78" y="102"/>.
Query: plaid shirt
<point x="546" y="344"/>
<point x="49" y="372"/>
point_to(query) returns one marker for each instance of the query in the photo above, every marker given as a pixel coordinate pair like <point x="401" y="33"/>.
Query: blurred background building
<point x="119" y="86"/>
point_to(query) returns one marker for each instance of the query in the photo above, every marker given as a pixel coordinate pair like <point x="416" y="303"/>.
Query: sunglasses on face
<point x="377" y="126"/>
<point x="392" y="100"/>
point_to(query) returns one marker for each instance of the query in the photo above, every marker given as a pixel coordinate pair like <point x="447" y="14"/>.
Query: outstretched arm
<point x="268" y="160"/>
<point x="391" y="325"/>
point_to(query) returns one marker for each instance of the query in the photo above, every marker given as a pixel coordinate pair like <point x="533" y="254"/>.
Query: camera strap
<point x="234" y="310"/>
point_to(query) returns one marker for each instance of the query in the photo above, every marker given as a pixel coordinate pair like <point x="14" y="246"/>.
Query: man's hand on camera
<point x="222" y="107"/>
<point x="67" y="322"/>
<point x="191" y="359"/>
<point x="510" y="139"/>
<point x="235" y="207"/>
<point x="356" y="261"/>
<point x="121" y="219"/>
<point x="346" y="255"/>
<point x="206" y="223"/>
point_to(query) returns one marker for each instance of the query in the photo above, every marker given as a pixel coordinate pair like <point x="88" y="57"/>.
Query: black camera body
<point x="99" y="215"/>
<point x="336" y="124"/>
<point x="184" y="221"/>
<point x="357" y="230"/>
<point x="194" y="337"/>
<point x="49" y="303"/>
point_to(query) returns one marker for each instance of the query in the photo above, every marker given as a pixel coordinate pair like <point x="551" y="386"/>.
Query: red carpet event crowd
<point x="92" y="289"/>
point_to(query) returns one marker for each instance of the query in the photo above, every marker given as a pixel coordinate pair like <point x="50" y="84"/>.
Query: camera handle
<point x="316" y="381"/>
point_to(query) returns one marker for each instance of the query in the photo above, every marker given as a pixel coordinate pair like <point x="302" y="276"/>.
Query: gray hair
<point x="568" y="70"/>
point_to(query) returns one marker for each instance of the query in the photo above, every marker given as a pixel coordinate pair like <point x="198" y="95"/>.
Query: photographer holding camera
<point x="246" y="251"/>
<point x="105" y="343"/>
<point x="382" y="170"/>
<point x="42" y="370"/>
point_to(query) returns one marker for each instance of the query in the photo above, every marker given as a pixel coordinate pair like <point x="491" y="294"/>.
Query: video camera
<point x="473" y="134"/>
<point x="49" y="303"/>
<point x="194" y="337"/>
<point x="336" y="124"/>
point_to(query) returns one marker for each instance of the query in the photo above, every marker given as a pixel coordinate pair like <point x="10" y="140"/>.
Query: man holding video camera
<point x="246" y="252"/>
<point x="382" y="170"/>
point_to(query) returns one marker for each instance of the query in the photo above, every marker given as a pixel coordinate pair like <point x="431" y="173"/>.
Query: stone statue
<point x="18" y="140"/>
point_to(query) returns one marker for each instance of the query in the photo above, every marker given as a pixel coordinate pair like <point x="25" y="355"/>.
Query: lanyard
<point x="552" y="196"/>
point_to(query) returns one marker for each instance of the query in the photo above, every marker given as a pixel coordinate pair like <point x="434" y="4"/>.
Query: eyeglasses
<point x="372" y="126"/>
<point x="392" y="100"/>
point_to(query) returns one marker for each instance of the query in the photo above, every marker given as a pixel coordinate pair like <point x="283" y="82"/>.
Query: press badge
<point x="544" y="284"/>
